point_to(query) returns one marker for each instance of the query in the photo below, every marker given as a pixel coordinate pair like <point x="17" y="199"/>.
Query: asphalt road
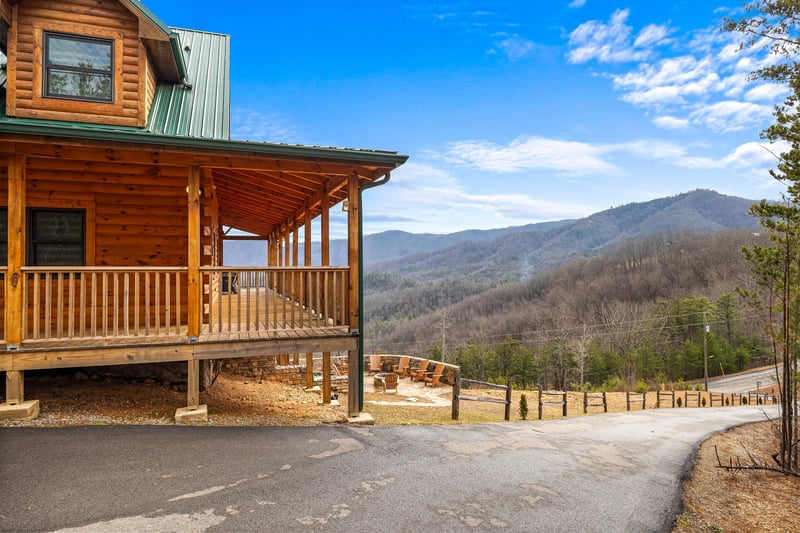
<point x="749" y="381"/>
<point x="615" y="472"/>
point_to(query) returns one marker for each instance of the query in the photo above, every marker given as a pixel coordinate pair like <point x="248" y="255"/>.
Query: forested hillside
<point x="633" y="313"/>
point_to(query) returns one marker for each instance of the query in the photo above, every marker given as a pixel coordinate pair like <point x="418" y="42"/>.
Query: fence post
<point x="540" y="402"/>
<point x="585" y="402"/>
<point x="605" y="402"/>
<point x="456" y="394"/>
<point x="508" y="398"/>
<point x="628" y="399"/>
<point x="564" y="408"/>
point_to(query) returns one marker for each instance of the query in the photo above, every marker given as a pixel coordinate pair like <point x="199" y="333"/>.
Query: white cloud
<point x="704" y="82"/>
<point x="766" y="92"/>
<point x="671" y="123"/>
<point x="611" y="42"/>
<point x="430" y="199"/>
<point x="652" y="34"/>
<point x="250" y="125"/>
<point x="577" y="3"/>
<point x="530" y="153"/>
<point x="730" y="115"/>
<point x="515" y="47"/>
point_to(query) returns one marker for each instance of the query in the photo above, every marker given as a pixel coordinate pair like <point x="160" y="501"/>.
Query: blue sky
<point x="512" y="112"/>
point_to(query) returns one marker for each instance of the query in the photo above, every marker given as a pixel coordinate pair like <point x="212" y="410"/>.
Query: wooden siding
<point x="107" y="18"/>
<point x="136" y="215"/>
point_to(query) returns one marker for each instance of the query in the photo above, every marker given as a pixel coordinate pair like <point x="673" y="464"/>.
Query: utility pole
<point x="705" y="349"/>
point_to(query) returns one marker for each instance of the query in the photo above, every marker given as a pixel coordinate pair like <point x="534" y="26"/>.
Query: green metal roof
<point x="203" y="110"/>
<point x="101" y="132"/>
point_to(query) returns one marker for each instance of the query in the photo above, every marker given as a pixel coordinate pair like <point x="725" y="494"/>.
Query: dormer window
<point x="78" y="67"/>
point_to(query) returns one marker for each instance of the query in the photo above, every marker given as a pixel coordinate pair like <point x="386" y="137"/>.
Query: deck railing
<point x="74" y="303"/>
<point x="84" y="302"/>
<point x="245" y="299"/>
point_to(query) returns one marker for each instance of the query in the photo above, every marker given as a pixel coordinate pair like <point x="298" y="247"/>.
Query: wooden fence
<point x="457" y="396"/>
<point x="594" y="396"/>
<point x="550" y="394"/>
<point x="635" y="397"/>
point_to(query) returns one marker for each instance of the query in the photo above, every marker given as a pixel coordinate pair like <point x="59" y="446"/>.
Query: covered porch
<point x="152" y="287"/>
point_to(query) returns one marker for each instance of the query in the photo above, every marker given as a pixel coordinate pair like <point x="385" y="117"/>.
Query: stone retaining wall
<point x="267" y="368"/>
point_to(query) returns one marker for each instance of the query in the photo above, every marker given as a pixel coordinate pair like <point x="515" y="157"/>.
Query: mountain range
<point x="519" y="252"/>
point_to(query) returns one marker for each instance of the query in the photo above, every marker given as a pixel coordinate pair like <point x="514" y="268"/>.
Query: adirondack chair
<point x="390" y="382"/>
<point x="401" y="368"/>
<point x="434" y="377"/>
<point x="374" y="364"/>
<point x="420" y="372"/>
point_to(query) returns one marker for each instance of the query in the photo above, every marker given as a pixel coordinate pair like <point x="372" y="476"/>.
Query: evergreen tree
<point x="775" y="25"/>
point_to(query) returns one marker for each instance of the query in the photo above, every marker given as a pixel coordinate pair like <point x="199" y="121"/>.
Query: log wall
<point x="102" y="18"/>
<point x="136" y="215"/>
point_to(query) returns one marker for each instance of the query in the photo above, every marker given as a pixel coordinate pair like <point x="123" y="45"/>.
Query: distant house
<point x="121" y="182"/>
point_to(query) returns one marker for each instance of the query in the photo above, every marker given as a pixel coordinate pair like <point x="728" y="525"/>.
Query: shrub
<point x="523" y="407"/>
<point x="679" y="401"/>
<point x="744" y="400"/>
<point x="699" y="387"/>
<point x="613" y="384"/>
<point x="641" y="386"/>
<point x="727" y="401"/>
<point x="703" y="401"/>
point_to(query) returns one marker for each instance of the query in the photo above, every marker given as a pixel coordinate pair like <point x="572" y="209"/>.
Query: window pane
<point x="85" y="54"/>
<point x="56" y="237"/>
<point x="78" y="67"/>
<point x="84" y="84"/>
<point x="58" y="254"/>
<point x="57" y="226"/>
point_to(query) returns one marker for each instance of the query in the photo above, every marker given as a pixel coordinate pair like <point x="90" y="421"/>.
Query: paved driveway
<point x="615" y="472"/>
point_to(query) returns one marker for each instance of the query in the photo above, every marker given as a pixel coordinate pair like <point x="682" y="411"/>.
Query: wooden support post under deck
<point x="193" y="385"/>
<point x="326" y="377"/>
<point x="309" y="370"/>
<point x="15" y="387"/>
<point x="353" y="384"/>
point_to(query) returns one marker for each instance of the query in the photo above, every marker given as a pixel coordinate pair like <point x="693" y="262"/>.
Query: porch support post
<point x="286" y="247"/>
<point x="295" y="244"/>
<point x="307" y="240"/>
<point x="193" y="412"/>
<point x="17" y="199"/>
<point x="353" y="363"/>
<point x="15" y="405"/>
<point x="193" y="254"/>
<point x="325" y="231"/>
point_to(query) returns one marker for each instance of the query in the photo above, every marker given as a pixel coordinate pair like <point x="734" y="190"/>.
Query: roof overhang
<point x="161" y="42"/>
<point x="260" y="187"/>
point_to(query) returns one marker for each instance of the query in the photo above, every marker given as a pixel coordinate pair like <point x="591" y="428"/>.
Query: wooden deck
<point x="94" y="317"/>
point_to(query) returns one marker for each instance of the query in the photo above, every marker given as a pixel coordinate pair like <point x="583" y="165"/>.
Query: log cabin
<point x="120" y="186"/>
